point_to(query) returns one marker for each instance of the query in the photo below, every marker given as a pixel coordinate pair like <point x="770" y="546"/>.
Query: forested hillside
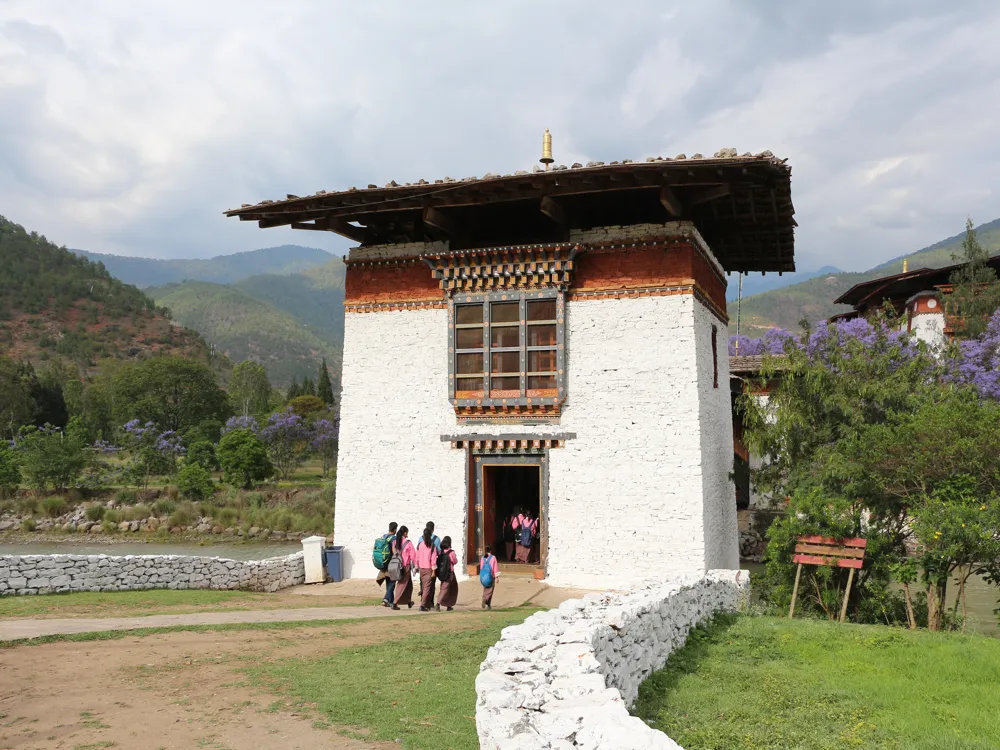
<point x="55" y="305"/>
<point x="242" y="326"/>
<point x="813" y="299"/>
<point x="222" y="269"/>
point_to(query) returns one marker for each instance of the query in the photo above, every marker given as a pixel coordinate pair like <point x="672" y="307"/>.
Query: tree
<point x="249" y="388"/>
<point x="15" y="400"/>
<point x="306" y="405"/>
<point x="51" y="457"/>
<point x="324" y="441"/>
<point x="975" y="292"/>
<point x="203" y="454"/>
<point x="150" y="451"/>
<point x="243" y="458"/>
<point x="308" y="388"/>
<point x="294" y="390"/>
<point x="10" y="471"/>
<point x="172" y="392"/>
<point x="324" y="388"/>
<point x="286" y="436"/>
<point x="194" y="482"/>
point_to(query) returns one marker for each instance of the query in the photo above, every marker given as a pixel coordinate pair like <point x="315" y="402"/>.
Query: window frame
<point x="487" y="300"/>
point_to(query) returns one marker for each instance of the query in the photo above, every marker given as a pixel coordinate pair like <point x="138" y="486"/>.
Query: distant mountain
<point x="757" y="283"/>
<point x="812" y="299"/>
<point x="55" y="305"/>
<point x="252" y="320"/>
<point x="223" y="269"/>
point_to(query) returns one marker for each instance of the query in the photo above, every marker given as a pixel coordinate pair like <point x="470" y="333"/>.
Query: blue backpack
<point x="486" y="573"/>
<point x="525" y="538"/>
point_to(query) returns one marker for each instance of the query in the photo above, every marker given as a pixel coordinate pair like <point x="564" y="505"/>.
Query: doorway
<point x="504" y="484"/>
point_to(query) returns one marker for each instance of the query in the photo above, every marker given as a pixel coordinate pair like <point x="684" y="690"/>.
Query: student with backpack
<point x="510" y="533"/>
<point x="445" y="572"/>
<point x="526" y="531"/>
<point x="427" y="557"/>
<point x="489" y="571"/>
<point x="434" y="537"/>
<point x="401" y="567"/>
<point x="381" y="555"/>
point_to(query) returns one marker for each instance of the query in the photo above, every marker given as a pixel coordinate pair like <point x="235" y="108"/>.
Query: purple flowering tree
<point x="241" y="423"/>
<point x="286" y="436"/>
<point x="976" y="361"/>
<point x="324" y="442"/>
<point x="772" y="342"/>
<point x="150" y="451"/>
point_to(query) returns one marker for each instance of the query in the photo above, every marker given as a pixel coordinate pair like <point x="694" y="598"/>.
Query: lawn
<point x="757" y="683"/>
<point x="160" y="601"/>
<point x="418" y="689"/>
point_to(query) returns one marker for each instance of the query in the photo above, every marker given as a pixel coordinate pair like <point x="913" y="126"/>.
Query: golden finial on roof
<point x="906" y="265"/>
<point x="546" y="149"/>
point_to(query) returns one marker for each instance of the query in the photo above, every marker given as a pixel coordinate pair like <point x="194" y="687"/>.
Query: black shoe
<point x="410" y="605"/>
<point x="424" y="609"/>
<point x="449" y="608"/>
<point x="395" y="606"/>
<point x="438" y="607"/>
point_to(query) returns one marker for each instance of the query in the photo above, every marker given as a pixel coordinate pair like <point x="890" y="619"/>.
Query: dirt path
<point x="179" y="690"/>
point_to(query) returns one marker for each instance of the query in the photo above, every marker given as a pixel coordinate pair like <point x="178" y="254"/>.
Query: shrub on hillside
<point x="243" y="458"/>
<point x="10" y="472"/>
<point x="95" y="513"/>
<point x="203" y="454"/>
<point x="194" y="482"/>
<point x="54" y="506"/>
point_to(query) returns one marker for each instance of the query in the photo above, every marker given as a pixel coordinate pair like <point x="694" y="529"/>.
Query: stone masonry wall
<point x="56" y="574"/>
<point x="565" y="678"/>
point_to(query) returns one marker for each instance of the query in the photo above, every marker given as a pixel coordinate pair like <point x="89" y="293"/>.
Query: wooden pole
<point x="795" y="591"/>
<point x="847" y="595"/>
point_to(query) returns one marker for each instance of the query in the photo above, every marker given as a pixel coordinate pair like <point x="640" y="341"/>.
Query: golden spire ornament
<point x="546" y="149"/>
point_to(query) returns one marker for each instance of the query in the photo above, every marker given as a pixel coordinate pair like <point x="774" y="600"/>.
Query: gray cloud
<point x="129" y="128"/>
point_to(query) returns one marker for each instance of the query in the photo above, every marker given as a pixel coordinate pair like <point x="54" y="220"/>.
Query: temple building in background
<point x="554" y="340"/>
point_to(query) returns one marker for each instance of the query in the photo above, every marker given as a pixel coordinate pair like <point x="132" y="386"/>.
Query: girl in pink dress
<point x="449" y="589"/>
<point x="404" y="588"/>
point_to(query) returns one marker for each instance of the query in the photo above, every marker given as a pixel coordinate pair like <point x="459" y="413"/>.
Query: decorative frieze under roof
<point x="524" y="267"/>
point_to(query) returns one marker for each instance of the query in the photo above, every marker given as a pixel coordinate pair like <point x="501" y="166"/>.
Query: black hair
<point x="489" y="549"/>
<point x="399" y="537"/>
<point x="392" y="527"/>
<point x="430" y="525"/>
<point x="446" y="543"/>
<point x="428" y="533"/>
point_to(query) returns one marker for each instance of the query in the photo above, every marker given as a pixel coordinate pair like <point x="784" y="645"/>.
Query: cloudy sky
<point x="128" y="127"/>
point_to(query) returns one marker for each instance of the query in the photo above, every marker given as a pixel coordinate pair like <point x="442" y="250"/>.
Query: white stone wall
<point x="636" y="490"/>
<point x="929" y="328"/>
<point x="56" y="574"/>
<point x="565" y="678"/>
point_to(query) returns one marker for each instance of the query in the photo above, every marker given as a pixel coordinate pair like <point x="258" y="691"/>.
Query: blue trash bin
<point x="335" y="563"/>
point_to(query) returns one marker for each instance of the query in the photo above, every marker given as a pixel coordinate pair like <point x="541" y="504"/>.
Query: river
<point x="232" y="551"/>
<point x="980" y="596"/>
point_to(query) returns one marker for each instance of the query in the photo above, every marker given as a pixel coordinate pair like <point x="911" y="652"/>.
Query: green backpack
<point x="382" y="553"/>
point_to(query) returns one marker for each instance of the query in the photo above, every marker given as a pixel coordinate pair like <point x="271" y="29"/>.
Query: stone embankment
<point x="52" y="574"/>
<point x="565" y="678"/>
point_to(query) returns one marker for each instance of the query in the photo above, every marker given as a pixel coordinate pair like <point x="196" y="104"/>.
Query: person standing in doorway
<point x="526" y="528"/>
<point x="427" y="555"/>
<point x="446" y="563"/>
<point x="489" y="571"/>
<point x="404" y="587"/>
<point x="510" y="533"/>
<point x="383" y="575"/>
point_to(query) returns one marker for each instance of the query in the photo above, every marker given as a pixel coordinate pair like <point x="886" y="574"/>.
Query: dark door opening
<point x="508" y="489"/>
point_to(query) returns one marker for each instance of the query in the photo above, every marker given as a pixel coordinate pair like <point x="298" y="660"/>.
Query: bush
<point x="203" y="454"/>
<point x="110" y="527"/>
<point x="51" y="457"/>
<point x="10" y="471"/>
<point x="28" y="524"/>
<point x="27" y="505"/>
<point x="137" y="513"/>
<point x="95" y="513"/>
<point x="243" y="458"/>
<point x="164" y="506"/>
<point x="182" y="516"/>
<point x="54" y="506"/>
<point x="114" y="516"/>
<point x="127" y="497"/>
<point x="194" y="482"/>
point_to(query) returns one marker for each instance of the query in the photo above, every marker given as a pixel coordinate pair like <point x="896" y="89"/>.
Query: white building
<point x="555" y="340"/>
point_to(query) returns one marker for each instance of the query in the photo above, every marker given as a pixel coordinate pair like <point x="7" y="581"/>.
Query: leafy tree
<point x="243" y="458"/>
<point x="10" y="471"/>
<point x="286" y="436"/>
<point x="150" y="451"/>
<point x="975" y="289"/>
<point x="324" y="442"/>
<point x="173" y="392"/>
<point x="203" y="454"/>
<point x="308" y="388"/>
<point x="294" y="390"/>
<point x="976" y="361"/>
<point x="51" y="457"/>
<point x="306" y="405"/>
<point x="16" y="405"/>
<point x="324" y="388"/>
<point x="194" y="482"/>
<point x="249" y="388"/>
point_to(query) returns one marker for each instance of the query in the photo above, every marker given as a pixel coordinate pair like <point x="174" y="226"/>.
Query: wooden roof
<point x="741" y="205"/>
<point x="899" y="287"/>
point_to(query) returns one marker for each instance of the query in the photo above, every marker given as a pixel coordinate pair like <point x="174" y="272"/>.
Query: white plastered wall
<point x="929" y="327"/>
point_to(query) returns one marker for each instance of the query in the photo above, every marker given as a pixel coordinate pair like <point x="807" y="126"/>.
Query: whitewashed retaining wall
<point x="565" y="678"/>
<point x="648" y="468"/>
<point x="55" y="574"/>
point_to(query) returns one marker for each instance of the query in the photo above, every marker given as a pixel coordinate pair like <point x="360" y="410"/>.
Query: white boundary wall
<point x="565" y="678"/>
<point x="55" y="574"/>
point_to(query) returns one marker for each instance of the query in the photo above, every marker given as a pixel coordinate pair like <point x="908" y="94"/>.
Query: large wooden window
<point x="508" y="347"/>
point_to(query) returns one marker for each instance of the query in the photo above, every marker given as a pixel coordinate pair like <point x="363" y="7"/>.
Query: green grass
<point x="418" y="689"/>
<point x="123" y="602"/>
<point x="757" y="683"/>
